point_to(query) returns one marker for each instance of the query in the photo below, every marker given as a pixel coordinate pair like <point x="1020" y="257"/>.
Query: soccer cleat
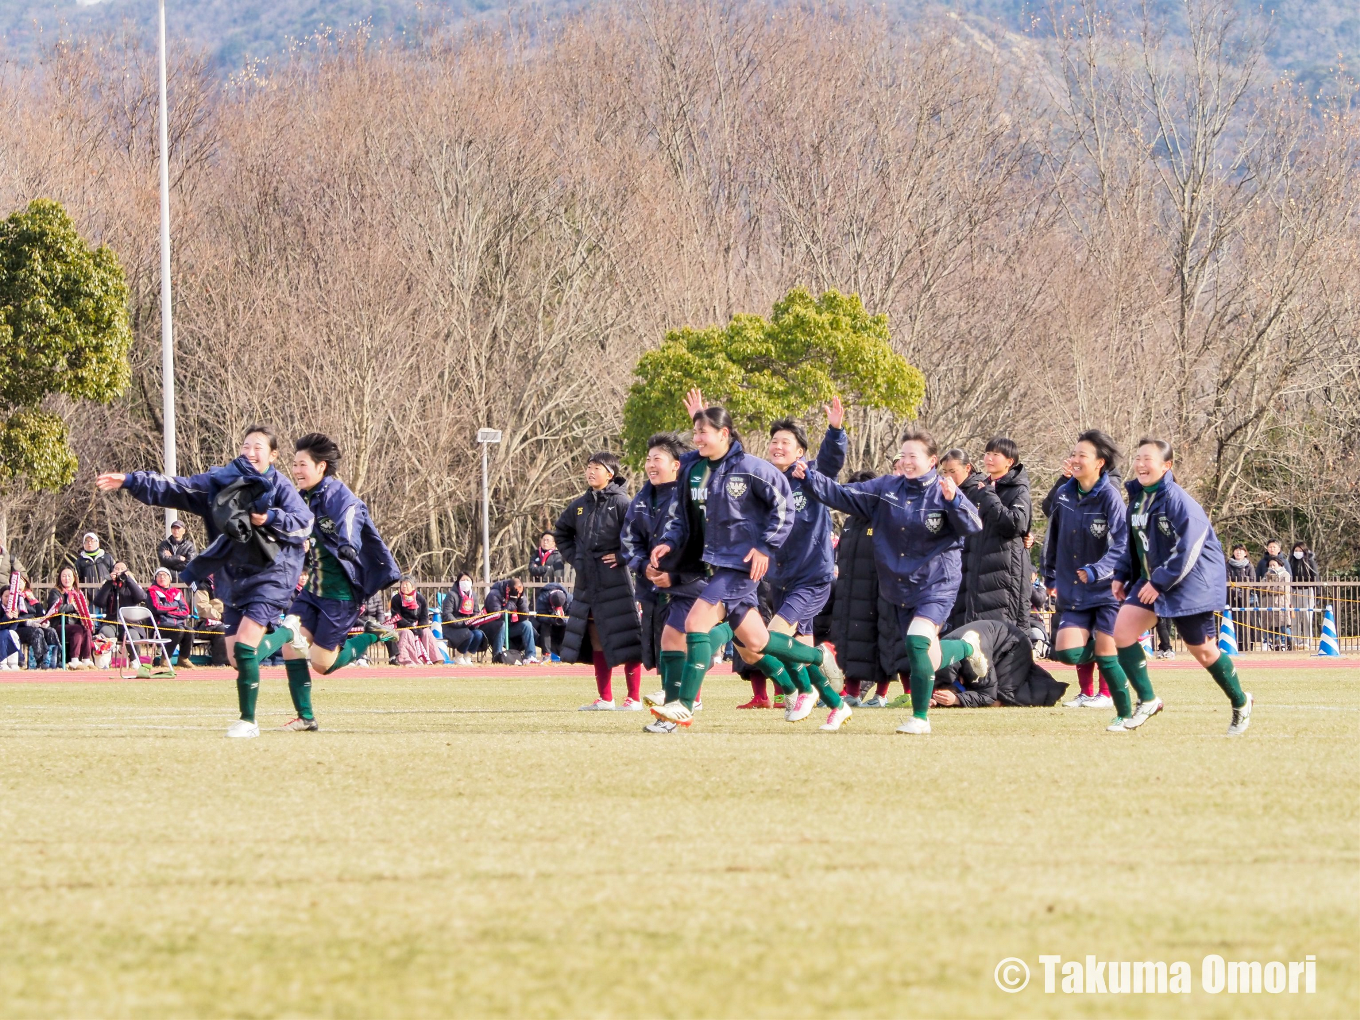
<point x="243" y="730"/>
<point x="802" y="707"/>
<point x="599" y="705"/>
<point x="386" y="633"/>
<point x="1118" y="725"/>
<point x="977" y="660"/>
<point x="758" y="703"/>
<point x="914" y="725"/>
<point x="1241" y="718"/>
<point x="299" y="640"/>
<point x="1145" y="711"/>
<point x="674" y="711"/>
<point x="831" y="669"/>
<point x="838" y="718"/>
<point x="630" y="706"/>
<point x="300" y="725"/>
<point x="874" y="702"/>
<point x="660" y="726"/>
<point x="1100" y="701"/>
<point x="659" y="698"/>
<point x="1080" y="701"/>
<point x="698" y="704"/>
<point x="901" y="701"/>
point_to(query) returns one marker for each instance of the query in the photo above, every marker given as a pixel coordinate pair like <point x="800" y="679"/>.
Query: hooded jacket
<point x="589" y="529"/>
<point x="806" y="557"/>
<point x="1184" y="557"/>
<point x="241" y="578"/>
<point x="996" y="567"/>
<point x="345" y="530"/>
<point x="546" y="565"/>
<point x="93" y="567"/>
<point x="747" y="505"/>
<point x="917" y="533"/>
<point x="1013" y="677"/>
<point x="1085" y="532"/>
<point x="643" y="526"/>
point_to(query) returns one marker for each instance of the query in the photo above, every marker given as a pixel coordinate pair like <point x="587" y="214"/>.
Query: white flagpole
<point x="167" y="328"/>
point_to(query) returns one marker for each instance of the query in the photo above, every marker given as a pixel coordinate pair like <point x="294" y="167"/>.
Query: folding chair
<point x="140" y="616"/>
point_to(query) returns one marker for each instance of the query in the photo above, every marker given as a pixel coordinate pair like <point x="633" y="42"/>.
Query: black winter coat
<point x="587" y="531"/>
<point x="996" y="566"/>
<point x="175" y="556"/>
<point x="854" y="605"/>
<point x="1014" y="677"/>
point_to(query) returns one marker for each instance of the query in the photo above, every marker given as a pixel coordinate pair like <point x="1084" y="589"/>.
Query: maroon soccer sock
<point x="1104" y="687"/>
<point x="602" y="681"/>
<point x="881" y="688"/>
<point x="760" y="685"/>
<point x="1086" y="676"/>
<point x="632" y="673"/>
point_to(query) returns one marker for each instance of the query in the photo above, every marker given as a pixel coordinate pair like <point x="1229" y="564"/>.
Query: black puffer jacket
<point x="1014" y="677"/>
<point x="587" y="531"/>
<point x="996" y="566"/>
<point x="854" y="607"/>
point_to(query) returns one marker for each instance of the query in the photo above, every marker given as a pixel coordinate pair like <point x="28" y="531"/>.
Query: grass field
<point x="473" y="846"/>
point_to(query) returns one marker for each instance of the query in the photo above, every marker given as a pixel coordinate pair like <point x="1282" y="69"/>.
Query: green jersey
<point x="325" y="577"/>
<point x="1138" y="524"/>
<point x="698" y="495"/>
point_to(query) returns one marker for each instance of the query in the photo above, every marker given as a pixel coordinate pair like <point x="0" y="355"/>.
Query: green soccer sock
<point x="719" y="636"/>
<point x="774" y="669"/>
<point x="1225" y="675"/>
<point x="1134" y="662"/>
<point x="1113" y="675"/>
<point x="829" y="694"/>
<point x="353" y="649"/>
<point x="1069" y="656"/>
<point x="952" y="652"/>
<point x="672" y="669"/>
<point x="271" y="643"/>
<point x="697" y="658"/>
<point x="299" y="685"/>
<point x="801" y="680"/>
<point x="783" y="646"/>
<point x="247" y="680"/>
<point x="922" y="674"/>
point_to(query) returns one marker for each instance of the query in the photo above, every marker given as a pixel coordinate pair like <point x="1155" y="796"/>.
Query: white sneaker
<point x="1168" y="654"/>
<point x="1118" y="725"/>
<point x="1079" y="701"/>
<point x="698" y="704"/>
<point x="837" y="718"/>
<point x="660" y="726"/>
<point x="630" y="706"/>
<point x="914" y="725"/>
<point x="1100" y="701"/>
<point x="976" y="660"/>
<point x="362" y="663"/>
<point x="874" y="702"/>
<point x="1241" y="718"/>
<point x="1145" y="711"/>
<point x="87" y="664"/>
<point x="659" y="698"/>
<point x="243" y="730"/>
<point x="674" y="711"/>
<point x="802" y="706"/>
<point x="831" y="669"/>
<point x="598" y="705"/>
<point x="299" y="641"/>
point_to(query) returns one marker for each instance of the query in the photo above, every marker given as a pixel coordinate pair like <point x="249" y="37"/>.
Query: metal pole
<point x="486" y="524"/>
<point x="167" y="329"/>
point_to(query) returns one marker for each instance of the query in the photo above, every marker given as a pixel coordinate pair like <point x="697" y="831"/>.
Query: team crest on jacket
<point x="326" y="525"/>
<point x="934" y="521"/>
<point x="736" y="488"/>
<point x="800" y="501"/>
<point x="1163" y="525"/>
<point x="1099" y="527"/>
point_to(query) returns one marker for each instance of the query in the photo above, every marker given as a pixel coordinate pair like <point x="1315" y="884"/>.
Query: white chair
<point x="139" y="616"/>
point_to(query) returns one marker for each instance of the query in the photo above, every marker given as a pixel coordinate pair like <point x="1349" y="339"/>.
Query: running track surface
<point x="1264" y="660"/>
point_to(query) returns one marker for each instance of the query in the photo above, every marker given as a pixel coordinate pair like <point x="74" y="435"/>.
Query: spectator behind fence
<point x="175" y="552"/>
<point x="509" y="597"/>
<point x="551" y="605"/>
<point x="120" y="591"/>
<point x="1274" y="598"/>
<point x="547" y="563"/>
<point x="208" y="612"/>
<point x="171" y="610"/>
<point x="1241" y="574"/>
<point x="411" y="617"/>
<point x="93" y="564"/>
<point x="996" y="568"/>
<point x="1303" y="571"/>
<point x="26" y="612"/>
<point x="460" y="606"/>
<point x="1273" y="551"/>
<point x="1302" y="565"/>
<point x="69" y="615"/>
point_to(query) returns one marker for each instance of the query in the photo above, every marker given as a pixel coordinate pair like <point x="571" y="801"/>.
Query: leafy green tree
<point x="809" y="350"/>
<point x="63" y="329"/>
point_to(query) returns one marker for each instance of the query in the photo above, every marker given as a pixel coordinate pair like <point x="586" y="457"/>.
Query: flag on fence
<point x="1328" y="645"/>
<point x="1227" y="633"/>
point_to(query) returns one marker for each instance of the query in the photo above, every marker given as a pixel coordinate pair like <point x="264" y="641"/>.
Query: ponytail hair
<point x="719" y="419"/>
<point x="1105" y="448"/>
<point x="1163" y="447"/>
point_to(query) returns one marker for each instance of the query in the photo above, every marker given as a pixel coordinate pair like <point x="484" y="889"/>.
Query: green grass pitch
<point x="476" y="847"/>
